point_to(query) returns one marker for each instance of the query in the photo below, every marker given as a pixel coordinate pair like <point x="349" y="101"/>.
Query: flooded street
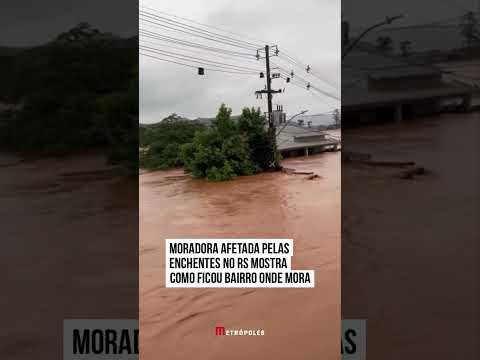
<point x="410" y="246"/>
<point x="180" y="323"/>
<point x="69" y="240"/>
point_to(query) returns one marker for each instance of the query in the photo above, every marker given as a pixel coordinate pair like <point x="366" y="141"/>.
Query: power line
<point x="194" y="28"/>
<point x="157" y="36"/>
<point x="202" y="59"/>
<point x="186" y="58"/>
<point x="309" y="83"/>
<point x="195" y="34"/>
<point x="220" y="38"/>
<point x="197" y="60"/>
<point x="198" y="51"/>
<point x="259" y="41"/>
<point x="310" y="72"/>
<point x="303" y="87"/>
<point x="304" y="67"/>
<point x="193" y="66"/>
<point x="154" y="24"/>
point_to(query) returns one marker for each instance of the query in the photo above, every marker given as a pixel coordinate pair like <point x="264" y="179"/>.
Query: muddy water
<point x="410" y="247"/>
<point x="298" y="323"/>
<point x="69" y="249"/>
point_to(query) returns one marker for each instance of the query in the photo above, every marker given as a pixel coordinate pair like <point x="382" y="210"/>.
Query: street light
<point x="388" y="20"/>
<point x="288" y="121"/>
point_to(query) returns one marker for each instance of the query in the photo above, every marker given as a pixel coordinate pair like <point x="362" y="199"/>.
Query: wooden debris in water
<point x="411" y="173"/>
<point x="390" y="163"/>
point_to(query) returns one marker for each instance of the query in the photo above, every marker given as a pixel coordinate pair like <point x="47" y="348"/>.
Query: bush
<point x="163" y="141"/>
<point x="228" y="149"/>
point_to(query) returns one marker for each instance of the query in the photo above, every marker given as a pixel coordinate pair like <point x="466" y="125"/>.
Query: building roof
<point x="365" y="62"/>
<point x="286" y="138"/>
<point x="403" y="72"/>
<point x="368" y="98"/>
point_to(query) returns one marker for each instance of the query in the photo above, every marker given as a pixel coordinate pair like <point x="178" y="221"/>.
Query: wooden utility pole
<point x="269" y="92"/>
<point x="271" y="124"/>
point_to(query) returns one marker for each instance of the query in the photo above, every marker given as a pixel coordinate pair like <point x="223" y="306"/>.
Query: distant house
<point x="380" y="87"/>
<point x="299" y="138"/>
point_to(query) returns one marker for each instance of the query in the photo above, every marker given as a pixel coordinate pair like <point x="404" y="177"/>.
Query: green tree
<point x="162" y="141"/>
<point x="252" y="124"/>
<point x="220" y="152"/>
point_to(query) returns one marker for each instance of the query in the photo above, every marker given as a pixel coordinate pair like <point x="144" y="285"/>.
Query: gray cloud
<point x="366" y="13"/>
<point x="26" y="23"/>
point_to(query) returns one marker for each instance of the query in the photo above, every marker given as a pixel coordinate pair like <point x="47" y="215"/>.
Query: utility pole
<point x="269" y="92"/>
<point x="269" y="88"/>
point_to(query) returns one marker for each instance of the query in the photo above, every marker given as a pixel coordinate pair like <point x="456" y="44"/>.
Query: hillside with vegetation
<point x="75" y="93"/>
<point x="160" y="142"/>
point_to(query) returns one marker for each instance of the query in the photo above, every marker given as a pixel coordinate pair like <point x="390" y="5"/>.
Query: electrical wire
<point x="169" y="39"/>
<point x="198" y="51"/>
<point x="329" y="94"/>
<point x="194" y="28"/>
<point x="205" y="25"/>
<point x="193" y="66"/>
<point x="299" y="64"/>
<point x="221" y="39"/>
<point x="153" y="19"/>
<point x="154" y="23"/>
<point x="197" y="60"/>
<point x="314" y="87"/>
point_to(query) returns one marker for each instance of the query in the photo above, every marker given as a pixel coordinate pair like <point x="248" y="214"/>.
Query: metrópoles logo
<point x="222" y="331"/>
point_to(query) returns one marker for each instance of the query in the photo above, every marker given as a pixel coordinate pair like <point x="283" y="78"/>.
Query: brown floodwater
<point x="410" y="247"/>
<point x="69" y="234"/>
<point x="298" y="323"/>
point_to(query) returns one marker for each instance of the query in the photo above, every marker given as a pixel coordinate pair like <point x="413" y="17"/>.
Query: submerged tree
<point x="228" y="149"/>
<point x="252" y="124"/>
<point x="162" y="141"/>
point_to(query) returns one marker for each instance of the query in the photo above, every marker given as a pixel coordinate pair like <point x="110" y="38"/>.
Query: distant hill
<point x="77" y="92"/>
<point x="172" y="117"/>
<point x="202" y="120"/>
<point x="11" y="51"/>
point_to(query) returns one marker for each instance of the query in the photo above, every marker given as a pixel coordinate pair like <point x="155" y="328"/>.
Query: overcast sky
<point x="307" y="29"/>
<point x="27" y="23"/>
<point x="415" y="11"/>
